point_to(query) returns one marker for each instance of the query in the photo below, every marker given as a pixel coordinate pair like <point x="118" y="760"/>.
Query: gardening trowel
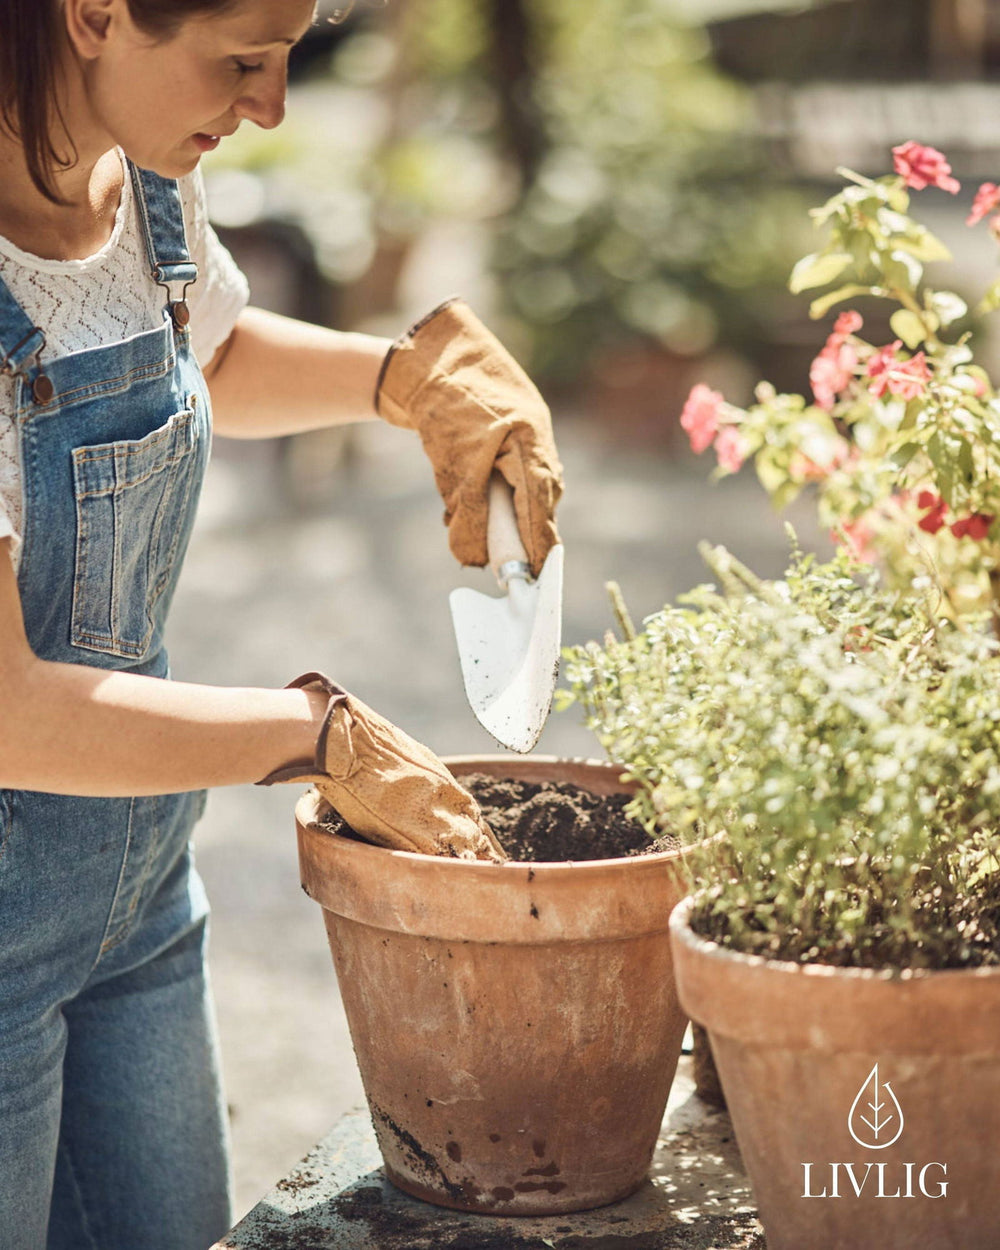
<point x="509" y="647"/>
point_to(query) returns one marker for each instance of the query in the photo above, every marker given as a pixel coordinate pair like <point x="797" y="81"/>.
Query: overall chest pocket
<point x="133" y="500"/>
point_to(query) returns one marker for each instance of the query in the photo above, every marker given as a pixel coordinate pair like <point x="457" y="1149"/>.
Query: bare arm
<point x="73" y="729"/>
<point x="275" y="375"/>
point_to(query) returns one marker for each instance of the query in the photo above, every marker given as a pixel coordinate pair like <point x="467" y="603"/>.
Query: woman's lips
<point x="207" y="143"/>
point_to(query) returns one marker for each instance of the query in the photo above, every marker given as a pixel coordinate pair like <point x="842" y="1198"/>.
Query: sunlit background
<point x="619" y="188"/>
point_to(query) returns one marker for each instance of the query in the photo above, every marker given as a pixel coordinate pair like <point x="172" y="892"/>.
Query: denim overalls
<point x="111" y="1130"/>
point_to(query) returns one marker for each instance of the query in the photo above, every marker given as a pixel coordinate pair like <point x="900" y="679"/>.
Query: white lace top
<point x="107" y="297"/>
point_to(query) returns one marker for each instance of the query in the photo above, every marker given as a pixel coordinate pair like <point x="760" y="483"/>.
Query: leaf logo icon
<point x="876" y="1118"/>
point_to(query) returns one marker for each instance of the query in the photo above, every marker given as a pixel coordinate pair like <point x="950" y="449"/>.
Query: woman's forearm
<point x="72" y="729"/>
<point x="275" y="375"/>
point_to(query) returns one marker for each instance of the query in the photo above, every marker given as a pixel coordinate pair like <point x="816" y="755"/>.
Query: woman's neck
<point x="69" y="231"/>
<point x="91" y="187"/>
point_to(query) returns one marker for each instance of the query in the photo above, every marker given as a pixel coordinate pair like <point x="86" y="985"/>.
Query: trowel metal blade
<point x="509" y="652"/>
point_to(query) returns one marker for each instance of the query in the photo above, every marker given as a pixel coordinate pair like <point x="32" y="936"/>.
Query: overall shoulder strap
<point x="21" y="341"/>
<point x="162" y="218"/>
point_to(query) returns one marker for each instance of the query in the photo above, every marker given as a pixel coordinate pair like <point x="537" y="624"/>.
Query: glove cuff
<point x="337" y="698"/>
<point x="393" y="395"/>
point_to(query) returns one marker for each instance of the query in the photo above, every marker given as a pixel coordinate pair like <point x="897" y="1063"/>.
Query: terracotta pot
<point x="802" y="1050"/>
<point x="516" y="1026"/>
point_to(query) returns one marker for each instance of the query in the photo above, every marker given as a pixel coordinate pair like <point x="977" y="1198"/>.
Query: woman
<point x="112" y="289"/>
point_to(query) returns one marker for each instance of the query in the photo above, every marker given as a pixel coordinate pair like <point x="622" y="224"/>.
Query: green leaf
<point x="902" y="456"/>
<point x="908" y="326"/>
<point x="820" y="307"/>
<point x="899" y="198"/>
<point x="947" y="306"/>
<point x="943" y="451"/>
<point x="785" y="494"/>
<point x="902" y="270"/>
<point x="818" y="269"/>
<point x="958" y="354"/>
<point x="991" y="300"/>
<point x="893" y="222"/>
<point x="913" y="410"/>
<point x="965" y="463"/>
<point x="923" y="245"/>
<point x="772" y="475"/>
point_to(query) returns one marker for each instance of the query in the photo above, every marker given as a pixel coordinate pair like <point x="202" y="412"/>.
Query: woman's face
<point x="166" y="103"/>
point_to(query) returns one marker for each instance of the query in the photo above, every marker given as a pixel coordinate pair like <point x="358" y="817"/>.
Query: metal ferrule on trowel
<point x="509" y="646"/>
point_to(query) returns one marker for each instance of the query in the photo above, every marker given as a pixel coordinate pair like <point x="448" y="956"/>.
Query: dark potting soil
<point x="557" y="820"/>
<point x="552" y="821"/>
<point x="949" y="930"/>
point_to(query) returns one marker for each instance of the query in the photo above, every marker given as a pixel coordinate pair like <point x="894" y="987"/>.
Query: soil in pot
<point x="951" y="929"/>
<point x="553" y="821"/>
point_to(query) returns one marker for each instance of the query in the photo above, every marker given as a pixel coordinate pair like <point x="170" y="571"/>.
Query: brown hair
<point x="29" y="41"/>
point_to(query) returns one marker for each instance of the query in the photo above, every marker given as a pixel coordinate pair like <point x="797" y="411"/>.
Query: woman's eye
<point x="244" y="67"/>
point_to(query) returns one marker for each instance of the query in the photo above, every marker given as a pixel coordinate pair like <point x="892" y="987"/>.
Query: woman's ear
<point x="88" y="24"/>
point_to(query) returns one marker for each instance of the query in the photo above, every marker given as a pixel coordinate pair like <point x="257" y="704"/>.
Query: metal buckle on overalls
<point x="42" y="389"/>
<point x="179" y="312"/>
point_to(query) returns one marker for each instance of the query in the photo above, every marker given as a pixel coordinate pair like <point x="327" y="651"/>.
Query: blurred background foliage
<point x="619" y="186"/>
<point x="637" y="202"/>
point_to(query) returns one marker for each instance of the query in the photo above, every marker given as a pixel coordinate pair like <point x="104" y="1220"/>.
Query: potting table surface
<point x="697" y="1198"/>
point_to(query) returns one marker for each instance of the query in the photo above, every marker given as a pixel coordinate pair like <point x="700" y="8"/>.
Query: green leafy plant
<point x="900" y="441"/>
<point x="833" y="748"/>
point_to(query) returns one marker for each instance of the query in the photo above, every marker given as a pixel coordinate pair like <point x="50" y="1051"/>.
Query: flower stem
<point x="620" y="610"/>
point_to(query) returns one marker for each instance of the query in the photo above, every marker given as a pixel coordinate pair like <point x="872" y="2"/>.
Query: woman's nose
<point x="263" y="101"/>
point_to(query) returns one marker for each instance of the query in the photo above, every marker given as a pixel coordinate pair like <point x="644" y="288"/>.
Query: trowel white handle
<point x="508" y="557"/>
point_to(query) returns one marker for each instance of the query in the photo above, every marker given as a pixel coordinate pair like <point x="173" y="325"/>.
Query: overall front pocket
<point x="132" y="503"/>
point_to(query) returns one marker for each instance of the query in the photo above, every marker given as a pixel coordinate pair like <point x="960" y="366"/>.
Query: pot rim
<point x="523" y="903"/>
<point x="681" y="932"/>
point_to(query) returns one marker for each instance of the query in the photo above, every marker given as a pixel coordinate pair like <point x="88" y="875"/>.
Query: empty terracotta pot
<point x="516" y="1026"/>
<point x="866" y="1104"/>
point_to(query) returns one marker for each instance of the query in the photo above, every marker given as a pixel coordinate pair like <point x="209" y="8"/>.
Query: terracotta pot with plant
<point x="840" y="729"/>
<point x="843" y="950"/>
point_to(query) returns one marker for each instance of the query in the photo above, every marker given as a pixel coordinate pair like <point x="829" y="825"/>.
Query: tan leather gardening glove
<point x="390" y="789"/>
<point x="475" y="409"/>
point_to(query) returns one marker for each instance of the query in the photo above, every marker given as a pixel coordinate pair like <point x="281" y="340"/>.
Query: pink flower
<point x="909" y="380"/>
<point x="987" y="199"/>
<point x="905" y="378"/>
<point x="858" y="538"/>
<point x="701" y="416"/>
<point x="730" y="448"/>
<point x="849" y="322"/>
<point x="833" y="369"/>
<point x="922" y="166"/>
<point x="976" y="526"/>
<point x="936" y="508"/>
<point x="832" y="372"/>
<point x="879" y="364"/>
